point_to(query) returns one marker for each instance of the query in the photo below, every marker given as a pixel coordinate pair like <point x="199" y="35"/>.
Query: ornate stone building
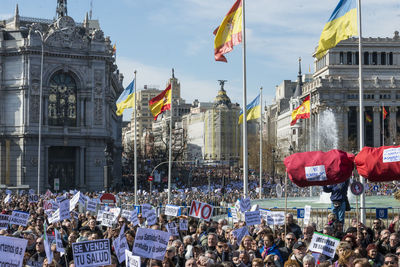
<point x="334" y="90"/>
<point x="81" y="133"/>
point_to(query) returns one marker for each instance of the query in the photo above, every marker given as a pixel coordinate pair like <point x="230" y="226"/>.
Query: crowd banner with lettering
<point x="91" y="205"/>
<point x="275" y="217"/>
<point x="171" y="210"/>
<point x="183" y="225"/>
<point x="150" y="243"/>
<point x="240" y="233"/>
<point x="55" y="217"/>
<point x="64" y="210"/>
<point x="108" y="219"/>
<point x="92" y="253"/>
<point x="4" y="221"/>
<point x="12" y="251"/>
<point x="59" y="244"/>
<point x="120" y="245"/>
<point x="151" y="217"/>
<point x="324" y="244"/>
<point x="145" y="209"/>
<point x="235" y="217"/>
<point x="33" y="198"/>
<point x="307" y="214"/>
<point x="245" y="204"/>
<point x="201" y="210"/>
<point x="19" y="217"/>
<point x="131" y="260"/>
<point x="7" y="199"/>
<point x="252" y="217"/>
<point x="172" y="229"/>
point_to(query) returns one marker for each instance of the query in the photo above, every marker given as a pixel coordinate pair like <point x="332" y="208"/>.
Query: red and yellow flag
<point x="229" y="33"/>
<point x="384" y="112"/>
<point x="368" y="118"/>
<point x="161" y="103"/>
<point x="302" y="111"/>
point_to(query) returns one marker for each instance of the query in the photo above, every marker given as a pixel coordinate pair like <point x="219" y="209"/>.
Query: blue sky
<point x="154" y="36"/>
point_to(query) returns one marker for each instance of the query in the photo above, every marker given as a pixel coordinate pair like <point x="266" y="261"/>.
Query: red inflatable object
<point x="379" y="164"/>
<point x="319" y="168"/>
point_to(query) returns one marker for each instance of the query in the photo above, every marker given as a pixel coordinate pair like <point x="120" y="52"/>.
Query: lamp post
<point x="40" y="110"/>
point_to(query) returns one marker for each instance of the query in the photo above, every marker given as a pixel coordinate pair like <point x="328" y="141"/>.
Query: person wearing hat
<point x="299" y="251"/>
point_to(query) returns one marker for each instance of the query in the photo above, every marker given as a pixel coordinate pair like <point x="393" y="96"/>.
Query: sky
<point x="154" y="36"/>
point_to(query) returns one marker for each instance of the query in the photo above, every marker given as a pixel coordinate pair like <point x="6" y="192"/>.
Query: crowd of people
<point x="204" y="243"/>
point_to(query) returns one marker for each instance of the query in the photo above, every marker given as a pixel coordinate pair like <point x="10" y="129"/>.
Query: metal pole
<point x="261" y="158"/>
<point x="135" y="146"/>
<point x="383" y="126"/>
<point x="310" y="134"/>
<point x="245" y="155"/>
<point x="170" y="144"/>
<point x="40" y="112"/>
<point x="361" y="103"/>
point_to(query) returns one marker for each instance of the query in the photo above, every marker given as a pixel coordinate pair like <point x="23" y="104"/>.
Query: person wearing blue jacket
<point x="338" y="198"/>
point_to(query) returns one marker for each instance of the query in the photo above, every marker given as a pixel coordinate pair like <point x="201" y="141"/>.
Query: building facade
<point x="80" y="132"/>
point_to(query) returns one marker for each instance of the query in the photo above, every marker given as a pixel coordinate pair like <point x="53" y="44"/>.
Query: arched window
<point x="62" y="100"/>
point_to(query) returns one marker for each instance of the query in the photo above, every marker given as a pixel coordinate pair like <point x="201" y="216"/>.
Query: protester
<point x="338" y="198"/>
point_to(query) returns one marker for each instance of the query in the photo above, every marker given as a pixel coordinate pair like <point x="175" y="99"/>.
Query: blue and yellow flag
<point x="126" y="99"/>
<point x="341" y="25"/>
<point x="253" y="110"/>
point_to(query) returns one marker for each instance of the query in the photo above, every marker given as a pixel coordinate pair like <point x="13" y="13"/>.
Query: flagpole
<point x="383" y="126"/>
<point x="261" y="124"/>
<point x="361" y="106"/>
<point x="135" y="144"/>
<point x="310" y="134"/>
<point x="245" y="155"/>
<point x="170" y="141"/>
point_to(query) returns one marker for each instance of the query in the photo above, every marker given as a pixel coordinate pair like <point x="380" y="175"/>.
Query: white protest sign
<point x="264" y="214"/>
<point x="12" y="251"/>
<point x="324" y="244"/>
<point x="59" y="244"/>
<point x="19" y="217"/>
<point x="307" y="214"/>
<point x="55" y="217"/>
<point x="108" y="219"/>
<point x="240" y="233"/>
<point x="201" y="210"/>
<point x="150" y="243"/>
<point x="172" y="229"/>
<point x="7" y="199"/>
<point x="75" y="199"/>
<point x="171" y="210"/>
<point x="4" y="221"/>
<point x="245" y="204"/>
<point x="47" y="248"/>
<point x="91" y="205"/>
<point x="145" y="209"/>
<point x="315" y="173"/>
<point x="235" y="216"/>
<point x="131" y="260"/>
<point x="92" y="253"/>
<point x="151" y="217"/>
<point x="33" y="198"/>
<point x="275" y="217"/>
<point x="183" y="224"/>
<point x="252" y="217"/>
<point x="64" y="210"/>
<point x="391" y="155"/>
<point x="131" y="216"/>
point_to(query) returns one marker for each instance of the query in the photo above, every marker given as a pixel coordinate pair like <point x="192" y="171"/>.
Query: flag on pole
<point x="341" y="25"/>
<point x="252" y="110"/>
<point x="229" y="33"/>
<point x="384" y="112"/>
<point x="126" y="99"/>
<point x="161" y="103"/>
<point x="302" y="111"/>
<point x="114" y="49"/>
<point x="368" y="118"/>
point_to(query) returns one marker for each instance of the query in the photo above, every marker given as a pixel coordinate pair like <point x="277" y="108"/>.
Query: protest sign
<point x="151" y="217"/>
<point x="55" y="217"/>
<point x="245" y="204"/>
<point x="120" y="245"/>
<point x="59" y="244"/>
<point x="131" y="260"/>
<point x="145" y="209"/>
<point x="252" y="217"/>
<point x="4" y="221"/>
<point x="172" y="229"/>
<point x="33" y="198"/>
<point x="131" y="216"/>
<point x="323" y="244"/>
<point x="183" y="224"/>
<point x="7" y="199"/>
<point x="108" y="219"/>
<point x="12" y="251"/>
<point x="201" y="210"/>
<point x="240" y="233"/>
<point x="78" y="197"/>
<point x="307" y="214"/>
<point x="150" y="243"/>
<point x="171" y="210"/>
<point x="275" y="218"/>
<point x="235" y="216"/>
<point x="65" y="210"/>
<point x="92" y="253"/>
<point x="19" y="217"/>
<point x="91" y="205"/>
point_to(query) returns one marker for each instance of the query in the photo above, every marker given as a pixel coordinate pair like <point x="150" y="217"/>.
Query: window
<point x="366" y="58"/>
<point x="383" y="58"/>
<point x="374" y="58"/>
<point x="390" y="58"/>
<point x="357" y="58"/>
<point x="349" y="58"/>
<point x="341" y="58"/>
<point x="62" y="100"/>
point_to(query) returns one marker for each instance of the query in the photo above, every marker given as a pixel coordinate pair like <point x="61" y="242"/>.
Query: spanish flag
<point x="126" y="99"/>
<point x="368" y="118"/>
<point x="253" y="110"/>
<point x="229" y="33"/>
<point x="161" y="103"/>
<point x="302" y="111"/>
<point x="384" y="112"/>
<point x="341" y="25"/>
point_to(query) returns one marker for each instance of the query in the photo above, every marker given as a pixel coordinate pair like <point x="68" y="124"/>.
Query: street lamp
<point x="40" y="110"/>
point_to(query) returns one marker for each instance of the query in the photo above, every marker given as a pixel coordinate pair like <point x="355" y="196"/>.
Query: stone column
<point x="45" y="171"/>
<point x="45" y="109"/>
<point x="377" y="129"/>
<point x="82" y="161"/>
<point x="392" y="124"/>
<point x="82" y="112"/>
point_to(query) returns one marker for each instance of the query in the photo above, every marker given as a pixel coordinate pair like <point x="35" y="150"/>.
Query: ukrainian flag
<point x="341" y="25"/>
<point x="253" y="110"/>
<point x="126" y="99"/>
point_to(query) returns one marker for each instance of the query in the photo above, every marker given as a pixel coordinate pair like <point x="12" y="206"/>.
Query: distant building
<point x="81" y="133"/>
